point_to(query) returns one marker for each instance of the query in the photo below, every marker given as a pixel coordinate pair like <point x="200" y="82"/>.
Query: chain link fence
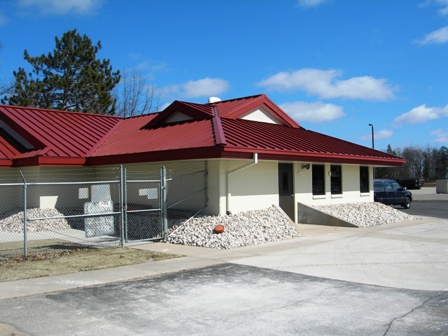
<point x="44" y="210"/>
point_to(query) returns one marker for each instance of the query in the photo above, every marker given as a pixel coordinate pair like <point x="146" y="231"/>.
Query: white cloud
<point x="439" y="36"/>
<point x="421" y="114"/>
<point x="444" y="5"/>
<point x="325" y="84"/>
<point x="205" y="87"/>
<point x="309" y="3"/>
<point x="58" y="7"/>
<point x="440" y="135"/>
<point x="382" y="134"/>
<point x="313" y="112"/>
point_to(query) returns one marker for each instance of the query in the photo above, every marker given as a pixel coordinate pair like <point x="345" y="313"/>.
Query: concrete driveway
<point x="396" y="284"/>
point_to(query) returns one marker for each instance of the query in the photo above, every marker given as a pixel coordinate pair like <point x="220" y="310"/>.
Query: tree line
<point x="72" y="78"/>
<point x="428" y="163"/>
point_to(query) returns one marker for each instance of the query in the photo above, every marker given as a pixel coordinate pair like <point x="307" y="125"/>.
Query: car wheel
<point x="407" y="203"/>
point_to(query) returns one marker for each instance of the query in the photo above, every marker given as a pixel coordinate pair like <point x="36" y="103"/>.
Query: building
<point x="256" y="155"/>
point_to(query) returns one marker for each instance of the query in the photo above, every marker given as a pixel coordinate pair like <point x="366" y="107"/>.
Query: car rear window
<point x="378" y="186"/>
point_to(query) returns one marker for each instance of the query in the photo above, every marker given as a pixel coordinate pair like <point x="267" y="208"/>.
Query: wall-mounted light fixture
<point x="306" y="166"/>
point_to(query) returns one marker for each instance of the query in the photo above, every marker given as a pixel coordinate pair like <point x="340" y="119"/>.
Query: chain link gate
<point x="99" y="207"/>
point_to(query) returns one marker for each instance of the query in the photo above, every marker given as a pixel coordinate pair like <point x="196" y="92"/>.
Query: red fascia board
<point x="313" y="157"/>
<point x="48" y="161"/>
<point x="5" y="163"/>
<point x="168" y="155"/>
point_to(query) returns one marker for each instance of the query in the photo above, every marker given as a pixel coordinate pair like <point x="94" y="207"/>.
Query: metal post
<point x="373" y="147"/>
<point x="25" y="224"/>
<point x="122" y="206"/>
<point x="373" y="136"/>
<point x="163" y="191"/>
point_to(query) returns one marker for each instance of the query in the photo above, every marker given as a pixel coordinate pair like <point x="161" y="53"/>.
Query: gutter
<point x="230" y="172"/>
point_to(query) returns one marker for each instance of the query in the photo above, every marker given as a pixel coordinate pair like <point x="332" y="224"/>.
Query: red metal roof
<point x="286" y="143"/>
<point x="57" y="134"/>
<point x="214" y="131"/>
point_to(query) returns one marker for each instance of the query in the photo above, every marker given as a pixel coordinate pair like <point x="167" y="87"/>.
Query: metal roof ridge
<point x="105" y="137"/>
<point x="220" y="137"/>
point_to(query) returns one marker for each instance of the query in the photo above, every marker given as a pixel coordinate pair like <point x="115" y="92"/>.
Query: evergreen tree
<point x="71" y="78"/>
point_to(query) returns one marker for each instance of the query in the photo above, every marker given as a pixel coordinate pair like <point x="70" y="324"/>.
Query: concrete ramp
<point x="310" y="215"/>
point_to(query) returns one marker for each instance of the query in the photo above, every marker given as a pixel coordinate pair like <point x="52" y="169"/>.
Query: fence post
<point x="163" y="191"/>
<point x="25" y="224"/>
<point x="122" y="205"/>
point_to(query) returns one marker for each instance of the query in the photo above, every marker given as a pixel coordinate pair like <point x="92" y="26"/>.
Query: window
<point x="364" y="179"/>
<point x="336" y="180"/>
<point x="318" y="180"/>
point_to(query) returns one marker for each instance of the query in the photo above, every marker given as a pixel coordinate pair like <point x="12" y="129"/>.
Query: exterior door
<point x="286" y="188"/>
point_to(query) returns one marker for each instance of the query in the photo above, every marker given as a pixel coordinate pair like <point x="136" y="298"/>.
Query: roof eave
<point x="313" y="157"/>
<point x="48" y="161"/>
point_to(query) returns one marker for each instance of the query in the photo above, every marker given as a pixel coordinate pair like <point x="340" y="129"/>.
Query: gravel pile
<point x="12" y="221"/>
<point x="365" y="214"/>
<point x="242" y="229"/>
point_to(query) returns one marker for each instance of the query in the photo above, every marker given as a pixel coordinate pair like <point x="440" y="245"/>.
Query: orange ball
<point x="219" y="229"/>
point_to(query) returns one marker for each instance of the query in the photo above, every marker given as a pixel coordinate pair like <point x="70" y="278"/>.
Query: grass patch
<point x="55" y="260"/>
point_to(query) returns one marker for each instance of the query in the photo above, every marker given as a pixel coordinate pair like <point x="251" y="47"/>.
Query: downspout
<point x="229" y="194"/>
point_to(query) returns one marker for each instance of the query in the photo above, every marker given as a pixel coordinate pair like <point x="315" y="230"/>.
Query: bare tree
<point x="135" y="96"/>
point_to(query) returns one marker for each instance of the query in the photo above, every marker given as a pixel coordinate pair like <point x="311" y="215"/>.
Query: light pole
<point x="373" y="147"/>
<point x="373" y="137"/>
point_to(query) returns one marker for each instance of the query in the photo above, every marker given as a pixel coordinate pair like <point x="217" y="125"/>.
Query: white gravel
<point x="365" y="214"/>
<point x="12" y="221"/>
<point x="242" y="229"/>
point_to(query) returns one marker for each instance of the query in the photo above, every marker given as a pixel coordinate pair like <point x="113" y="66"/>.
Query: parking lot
<point x="428" y="203"/>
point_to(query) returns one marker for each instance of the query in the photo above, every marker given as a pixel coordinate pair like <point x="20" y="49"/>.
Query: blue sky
<point x="335" y="66"/>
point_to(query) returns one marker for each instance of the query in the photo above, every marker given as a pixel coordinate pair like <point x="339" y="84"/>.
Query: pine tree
<point x="70" y="78"/>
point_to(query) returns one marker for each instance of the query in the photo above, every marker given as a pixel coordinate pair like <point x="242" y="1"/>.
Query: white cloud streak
<point x="61" y="7"/>
<point x="309" y="3"/>
<point x="313" y="112"/>
<point x="439" y="36"/>
<point x="444" y="5"/>
<point x="421" y="114"/>
<point x="381" y="134"/>
<point x="440" y="135"/>
<point x="326" y="84"/>
<point x="204" y="87"/>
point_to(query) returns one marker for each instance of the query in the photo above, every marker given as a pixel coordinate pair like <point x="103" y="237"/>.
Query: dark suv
<point x="390" y="192"/>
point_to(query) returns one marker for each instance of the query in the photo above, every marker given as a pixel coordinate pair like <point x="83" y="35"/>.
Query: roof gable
<point x="261" y="114"/>
<point x="256" y="108"/>
<point x="179" y="111"/>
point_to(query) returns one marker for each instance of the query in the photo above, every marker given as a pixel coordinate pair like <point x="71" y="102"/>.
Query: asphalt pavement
<point x="385" y="280"/>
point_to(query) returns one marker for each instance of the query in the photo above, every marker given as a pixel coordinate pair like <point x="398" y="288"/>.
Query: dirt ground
<point x="56" y="262"/>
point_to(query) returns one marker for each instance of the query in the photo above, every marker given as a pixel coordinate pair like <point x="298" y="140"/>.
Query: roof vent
<point x="212" y="100"/>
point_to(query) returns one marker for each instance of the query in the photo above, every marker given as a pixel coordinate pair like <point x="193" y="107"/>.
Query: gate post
<point x="163" y="191"/>
<point x="25" y="224"/>
<point x="122" y="205"/>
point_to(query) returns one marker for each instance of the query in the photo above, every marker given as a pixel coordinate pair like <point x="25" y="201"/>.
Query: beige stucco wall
<point x="250" y="186"/>
<point x="232" y="185"/>
<point x="350" y="186"/>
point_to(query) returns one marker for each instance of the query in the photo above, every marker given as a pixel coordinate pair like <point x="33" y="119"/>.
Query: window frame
<point x="318" y="179"/>
<point x="364" y="179"/>
<point x="336" y="179"/>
